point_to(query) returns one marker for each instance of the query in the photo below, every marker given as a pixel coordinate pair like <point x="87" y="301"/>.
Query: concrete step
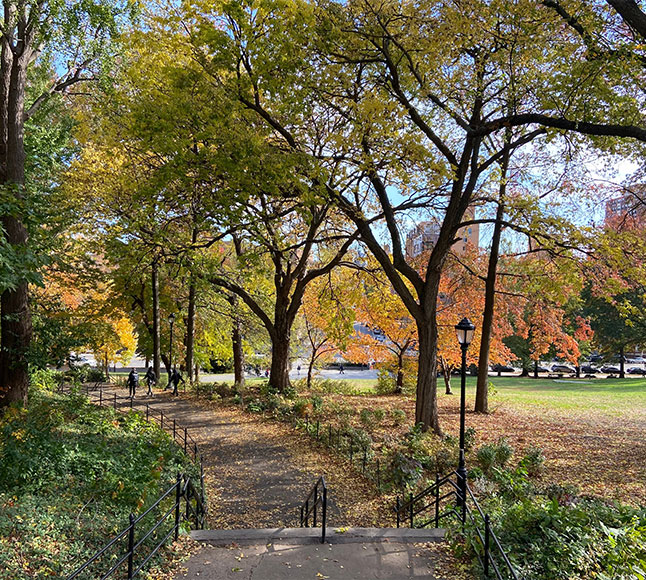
<point x="304" y="536"/>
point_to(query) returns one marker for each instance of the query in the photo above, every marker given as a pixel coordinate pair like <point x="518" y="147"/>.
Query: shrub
<point x="398" y="416"/>
<point x="533" y="461"/>
<point x="44" y="379"/>
<point x="70" y="473"/>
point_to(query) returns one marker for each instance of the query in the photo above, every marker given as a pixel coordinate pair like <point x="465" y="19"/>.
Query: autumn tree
<point x="33" y="33"/>
<point x="328" y="316"/>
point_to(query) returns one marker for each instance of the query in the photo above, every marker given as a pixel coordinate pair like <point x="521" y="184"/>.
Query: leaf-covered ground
<point x="258" y="472"/>
<point x="592" y="433"/>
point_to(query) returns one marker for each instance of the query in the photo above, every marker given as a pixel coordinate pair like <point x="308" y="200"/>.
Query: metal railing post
<point x="318" y="425"/>
<point x="147" y="412"/>
<point x="410" y="510"/>
<point x="316" y="501"/>
<point x="329" y="435"/>
<point x="302" y="517"/>
<point x="486" y="546"/>
<point x="101" y="397"/>
<point x="307" y="513"/>
<point x="398" y="507"/>
<point x="324" y="514"/>
<point x="437" y="500"/>
<point x="178" y="500"/>
<point x="131" y="546"/>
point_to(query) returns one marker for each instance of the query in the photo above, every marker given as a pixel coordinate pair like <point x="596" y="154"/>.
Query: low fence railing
<point x="360" y="454"/>
<point x="486" y="546"/>
<point x="316" y="499"/>
<point x="189" y="505"/>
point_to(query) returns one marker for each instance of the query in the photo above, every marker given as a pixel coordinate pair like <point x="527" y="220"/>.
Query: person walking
<point x="151" y="379"/>
<point x="133" y="383"/>
<point x="341" y="371"/>
<point x="175" y="379"/>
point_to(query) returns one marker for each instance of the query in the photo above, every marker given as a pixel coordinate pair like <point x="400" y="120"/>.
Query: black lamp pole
<point x="464" y="330"/>
<point x="171" y="321"/>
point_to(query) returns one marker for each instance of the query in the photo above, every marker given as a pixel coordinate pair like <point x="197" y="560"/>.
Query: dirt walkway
<point x="258" y="473"/>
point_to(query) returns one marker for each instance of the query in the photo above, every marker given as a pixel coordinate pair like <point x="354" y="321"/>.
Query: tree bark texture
<point x="190" y="328"/>
<point x="482" y="400"/>
<point x="16" y="329"/>
<point x="156" y="321"/>
<point x="238" y="352"/>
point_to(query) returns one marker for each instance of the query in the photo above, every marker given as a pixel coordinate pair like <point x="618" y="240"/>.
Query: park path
<point x="257" y="473"/>
<point x="251" y="478"/>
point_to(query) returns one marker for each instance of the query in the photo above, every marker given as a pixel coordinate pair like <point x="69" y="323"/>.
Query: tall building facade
<point x="424" y="235"/>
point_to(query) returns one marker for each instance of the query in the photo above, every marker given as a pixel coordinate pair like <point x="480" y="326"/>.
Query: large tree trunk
<point x="482" y="388"/>
<point x="190" y="328"/>
<point x="399" y="384"/>
<point x="15" y="332"/>
<point x="280" y="343"/>
<point x="238" y="352"/>
<point x="156" y="321"/>
<point x="426" y="400"/>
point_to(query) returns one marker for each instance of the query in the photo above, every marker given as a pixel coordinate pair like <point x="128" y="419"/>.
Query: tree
<point x="328" y="317"/>
<point x="32" y="32"/>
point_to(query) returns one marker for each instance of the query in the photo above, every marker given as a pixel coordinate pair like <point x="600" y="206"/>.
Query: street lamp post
<point x="464" y="330"/>
<point x="171" y="321"/>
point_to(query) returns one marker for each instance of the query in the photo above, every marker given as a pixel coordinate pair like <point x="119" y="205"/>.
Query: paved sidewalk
<point x="294" y="554"/>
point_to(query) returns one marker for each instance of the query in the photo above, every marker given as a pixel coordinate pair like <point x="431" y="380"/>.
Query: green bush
<point x="398" y="416"/>
<point x="533" y="461"/>
<point x="70" y="472"/>
<point x="44" y="379"/>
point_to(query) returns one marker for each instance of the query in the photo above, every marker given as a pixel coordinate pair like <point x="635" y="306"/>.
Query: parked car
<point x="498" y="368"/>
<point x="589" y="369"/>
<point x="640" y="359"/>
<point x="540" y="369"/>
<point x="609" y="369"/>
<point x="561" y="368"/>
<point x="636" y="371"/>
<point x="595" y="358"/>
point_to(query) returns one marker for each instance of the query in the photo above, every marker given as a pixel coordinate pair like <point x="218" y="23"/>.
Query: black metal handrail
<point x="184" y="491"/>
<point x="447" y="504"/>
<point x="195" y="501"/>
<point x="317" y="497"/>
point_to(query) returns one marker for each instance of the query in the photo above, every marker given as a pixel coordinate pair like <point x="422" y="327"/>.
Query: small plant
<point x="533" y="461"/>
<point x="365" y="416"/>
<point x="398" y="416"/>
<point x="486" y="458"/>
<point x="504" y="452"/>
<point x="301" y="407"/>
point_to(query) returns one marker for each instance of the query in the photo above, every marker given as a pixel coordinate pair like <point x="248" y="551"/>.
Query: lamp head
<point x="464" y="330"/>
<point x="171" y="318"/>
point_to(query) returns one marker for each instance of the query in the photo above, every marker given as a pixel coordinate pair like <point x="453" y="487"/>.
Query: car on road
<point x="636" y="371"/>
<point x="540" y="369"/>
<point x="561" y="368"/>
<point x="499" y="368"/>
<point x="589" y="369"/>
<point x="609" y="369"/>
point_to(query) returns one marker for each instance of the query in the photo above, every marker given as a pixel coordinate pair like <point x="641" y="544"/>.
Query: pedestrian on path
<point x="341" y="371"/>
<point x="298" y="369"/>
<point x="175" y="379"/>
<point x="151" y="379"/>
<point x="133" y="383"/>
